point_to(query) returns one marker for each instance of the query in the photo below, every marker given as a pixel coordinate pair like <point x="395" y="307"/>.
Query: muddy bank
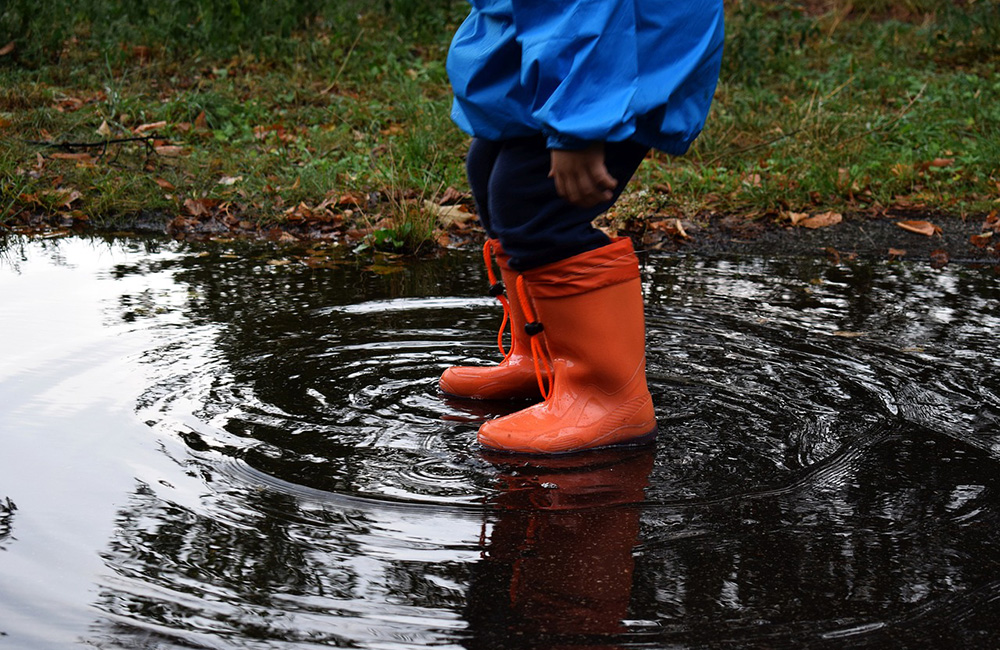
<point x="970" y="239"/>
<point x="950" y="238"/>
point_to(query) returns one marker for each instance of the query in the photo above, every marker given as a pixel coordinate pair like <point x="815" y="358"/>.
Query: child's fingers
<point x="605" y="180"/>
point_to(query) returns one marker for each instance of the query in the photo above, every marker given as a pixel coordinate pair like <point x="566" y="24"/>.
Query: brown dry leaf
<point x="942" y="162"/>
<point x="452" y="196"/>
<point x="449" y="214"/>
<point x="443" y="240"/>
<point x="299" y="212"/>
<point x="165" y="184"/>
<point x="201" y="122"/>
<point x="169" y="150"/>
<point x="151" y="126"/>
<point x="981" y="240"/>
<point x="822" y="220"/>
<point x="63" y="197"/>
<point x="925" y="228"/>
<point x="897" y="252"/>
<point x="939" y="258"/>
<point x="104" y="130"/>
<point x="7" y="49"/>
<point x="200" y="207"/>
<point x="79" y="157"/>
<point x="350" y="198"/>
<point x="142" y="52"/>
<point x="797" y="217"/>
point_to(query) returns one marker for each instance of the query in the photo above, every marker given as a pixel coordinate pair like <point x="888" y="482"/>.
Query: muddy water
<point x="208" y="447"/>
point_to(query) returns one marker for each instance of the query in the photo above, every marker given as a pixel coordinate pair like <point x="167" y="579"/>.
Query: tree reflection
<point x="877" y="543"/>
<point x="7" y="509"/>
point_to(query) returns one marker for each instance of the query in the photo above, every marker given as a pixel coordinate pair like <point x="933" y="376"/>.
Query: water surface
<point x="221" y="446"/>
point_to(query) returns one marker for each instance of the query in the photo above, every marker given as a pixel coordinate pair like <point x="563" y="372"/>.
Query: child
<point x="564" y="99"/>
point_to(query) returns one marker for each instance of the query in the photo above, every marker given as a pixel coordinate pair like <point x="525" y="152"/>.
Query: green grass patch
<point x="107" y="112"/>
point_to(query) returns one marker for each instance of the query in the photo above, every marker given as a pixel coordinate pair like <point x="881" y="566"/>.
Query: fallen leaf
<point x="350" y="199"/>
<point x="897" y="252"/>
<point x="299" y="212"/>
<point x="230" y="180"/>
<point x="925" y="228"/>
<point x="449" y="214"/>
<point x="797" y="217"/>
<point x="822" y="220"/>
<point x="942" y="162"/>
<point x="201" y="122"/>
<point x="104" y="130"/>
<point x="165" y="184"/>
<point x="142" y="52"/>
<point x="169" y="150"/>
<point x="7" y="49"/>
<point x="63" y="197"/>
<point x="151" y="126"/>
<point x="981" y="240"/>
<point x="80" y="157"/>
<point x="452" y="196"/>
<point x="939" y="258"/>
<point x="200" y="207"/>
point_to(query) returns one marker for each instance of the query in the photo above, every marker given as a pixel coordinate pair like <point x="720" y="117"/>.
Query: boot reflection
<point x="557" y="566"/>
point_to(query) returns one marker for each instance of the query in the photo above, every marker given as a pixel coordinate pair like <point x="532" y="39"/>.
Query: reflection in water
<point x="7" y="509"/>
<point x="825" y="473"/>
<point x="557" y="567"/>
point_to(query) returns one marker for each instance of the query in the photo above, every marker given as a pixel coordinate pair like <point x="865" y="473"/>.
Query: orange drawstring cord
<point x="533" y="328"/>
<point x="497" y="291"/>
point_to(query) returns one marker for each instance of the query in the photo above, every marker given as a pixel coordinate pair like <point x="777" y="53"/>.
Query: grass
<point x="336" y="118"/>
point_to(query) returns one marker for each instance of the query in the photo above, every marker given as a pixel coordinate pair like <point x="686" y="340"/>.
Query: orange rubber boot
<point x="590" y="360"/>
<point x="512" y="378"/>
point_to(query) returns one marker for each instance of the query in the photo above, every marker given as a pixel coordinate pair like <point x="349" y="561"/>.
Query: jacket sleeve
<point x="580" y="67"/>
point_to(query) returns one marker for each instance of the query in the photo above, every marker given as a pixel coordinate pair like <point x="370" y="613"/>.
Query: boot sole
<point x="639" y="441"/>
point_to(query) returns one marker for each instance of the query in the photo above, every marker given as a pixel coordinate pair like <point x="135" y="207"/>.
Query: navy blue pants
<point x="518" y="203"/>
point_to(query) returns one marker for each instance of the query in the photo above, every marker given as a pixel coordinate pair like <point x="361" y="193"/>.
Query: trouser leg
<point x="525" y="212"/>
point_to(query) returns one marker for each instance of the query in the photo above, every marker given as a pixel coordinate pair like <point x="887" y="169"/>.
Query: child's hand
<point x="581" y="176"/>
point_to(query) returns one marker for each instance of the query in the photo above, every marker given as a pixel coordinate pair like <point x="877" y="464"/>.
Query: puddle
<point x="202" y="448"/>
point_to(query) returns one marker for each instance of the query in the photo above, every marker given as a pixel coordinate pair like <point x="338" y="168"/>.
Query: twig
<point x="103" y="144"/>
<point x="347" y="57"/>
<point x="759" y="145"/>
<point x="899" y="116"/>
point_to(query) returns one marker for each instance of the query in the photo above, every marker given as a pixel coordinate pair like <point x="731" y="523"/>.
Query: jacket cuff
<point x="565" y="142"/>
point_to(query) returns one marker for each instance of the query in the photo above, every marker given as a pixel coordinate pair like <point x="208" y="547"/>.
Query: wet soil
<point x="959" y="238"/>
<point x="861" y="236"/>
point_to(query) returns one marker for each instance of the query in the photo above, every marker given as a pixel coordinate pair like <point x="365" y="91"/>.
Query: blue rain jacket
<point x="580" y="71"/>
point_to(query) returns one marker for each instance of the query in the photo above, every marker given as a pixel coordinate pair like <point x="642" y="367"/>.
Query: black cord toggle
<point x="533" y="328"/>
<point x="497" y="289"/>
